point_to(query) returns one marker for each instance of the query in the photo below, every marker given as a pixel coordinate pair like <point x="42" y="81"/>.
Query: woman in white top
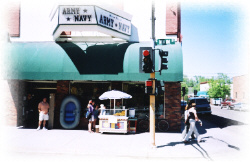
<point x="187" y="125"/>
<point x="193" y="118"/>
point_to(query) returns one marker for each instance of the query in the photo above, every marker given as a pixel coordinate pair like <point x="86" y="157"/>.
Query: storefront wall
<point x="172" y="105"/>
<point x="25" y="106"/>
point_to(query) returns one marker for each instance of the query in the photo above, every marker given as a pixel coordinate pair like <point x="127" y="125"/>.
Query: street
<point x="222" y="138"/>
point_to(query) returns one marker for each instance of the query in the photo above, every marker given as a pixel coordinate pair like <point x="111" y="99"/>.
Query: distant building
<point x="240" y="88"/>
<point x="204" y="86"/>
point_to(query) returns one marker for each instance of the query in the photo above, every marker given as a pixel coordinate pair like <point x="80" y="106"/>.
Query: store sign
<point x="92" y="15"/>
<point x="112" y="21"/>
<point x="77" y="15"/>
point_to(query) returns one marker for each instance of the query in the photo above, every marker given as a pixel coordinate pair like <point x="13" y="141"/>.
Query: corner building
<point x="85" y="49"/>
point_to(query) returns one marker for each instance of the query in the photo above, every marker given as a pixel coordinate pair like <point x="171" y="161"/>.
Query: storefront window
<point x="140" y="100"/>
<point x="90" y="91"/>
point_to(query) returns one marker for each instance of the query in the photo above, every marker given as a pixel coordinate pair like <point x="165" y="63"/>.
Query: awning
<point x="81" y="61"/>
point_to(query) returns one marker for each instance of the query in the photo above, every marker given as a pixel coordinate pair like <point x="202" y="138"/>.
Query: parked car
<point x="240" y="106"/>
<point x="216" y="101"/>
<point x="228" y="103"/>
<point x="202" y="105"/>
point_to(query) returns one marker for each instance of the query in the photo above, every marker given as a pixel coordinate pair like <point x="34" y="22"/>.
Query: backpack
<point x="88" y="114"/>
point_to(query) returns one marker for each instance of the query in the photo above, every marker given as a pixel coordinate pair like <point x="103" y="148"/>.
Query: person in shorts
<point x="43" y="108"/>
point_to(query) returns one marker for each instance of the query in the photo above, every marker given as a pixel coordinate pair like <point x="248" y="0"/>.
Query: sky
<point x="214" y="39"/>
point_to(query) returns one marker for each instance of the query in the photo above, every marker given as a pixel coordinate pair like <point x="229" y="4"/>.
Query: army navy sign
<point x="112" y="21"/>
<point x="92" y="15"/>
<point x="77" y="15"/>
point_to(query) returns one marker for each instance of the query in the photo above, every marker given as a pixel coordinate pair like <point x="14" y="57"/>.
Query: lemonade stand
<point x="113" y="120"/>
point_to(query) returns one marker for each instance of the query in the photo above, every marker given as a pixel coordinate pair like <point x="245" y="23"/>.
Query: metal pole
<point x="152" y="113"/>
<point x="152" y="75"/>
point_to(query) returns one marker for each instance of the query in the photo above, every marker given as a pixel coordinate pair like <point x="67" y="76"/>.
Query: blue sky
<point x="213" y="40"/>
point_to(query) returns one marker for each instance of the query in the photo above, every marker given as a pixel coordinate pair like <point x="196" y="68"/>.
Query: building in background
<point x="240" y="88"/>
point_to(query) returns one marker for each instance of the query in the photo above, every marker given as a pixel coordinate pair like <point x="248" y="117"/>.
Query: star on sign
<point x="68" y="19"/>
<point x="85" y="10"/>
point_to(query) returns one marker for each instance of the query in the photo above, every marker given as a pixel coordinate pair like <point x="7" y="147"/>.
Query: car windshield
<point x="201" y="101"/>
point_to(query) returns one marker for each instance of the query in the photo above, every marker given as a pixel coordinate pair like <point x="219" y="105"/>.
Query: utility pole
<point x="152" y="76"/>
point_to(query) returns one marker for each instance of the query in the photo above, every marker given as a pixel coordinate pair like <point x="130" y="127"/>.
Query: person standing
<point x="96" y="113"/>
<point x="91" y="119"/>
<point x="102" y="110"/>
<point x="192" y="119"/>
<point x="43" y="108"/>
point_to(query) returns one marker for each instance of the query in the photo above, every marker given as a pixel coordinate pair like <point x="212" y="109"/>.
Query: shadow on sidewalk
<point x="194" y="144"/>
<point x="214" y="121"/>
<point x="230" y="146"/>
<point x="198" y="147"/>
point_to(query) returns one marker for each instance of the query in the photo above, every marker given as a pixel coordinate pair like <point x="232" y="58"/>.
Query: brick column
<point x="61" y="93"/>
<point x="13" y="103"/>
<point x="173" y="105"/>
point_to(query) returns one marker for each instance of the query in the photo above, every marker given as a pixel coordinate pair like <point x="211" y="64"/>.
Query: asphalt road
<point x="222" y="118"/>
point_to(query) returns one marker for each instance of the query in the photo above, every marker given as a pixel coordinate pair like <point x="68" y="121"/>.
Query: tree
<point x="224" y="77"/>
<point x="218" y="88"/>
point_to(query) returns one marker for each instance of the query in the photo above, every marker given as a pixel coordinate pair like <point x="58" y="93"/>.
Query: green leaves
<point x="218" y="88"/>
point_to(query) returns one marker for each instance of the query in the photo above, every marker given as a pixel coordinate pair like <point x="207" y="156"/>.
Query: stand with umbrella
<point x="114" y="94"/>
<point x="111" y="123"/>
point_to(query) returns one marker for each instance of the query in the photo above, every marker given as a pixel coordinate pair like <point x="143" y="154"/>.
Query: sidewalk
<point x="75" y="145"/>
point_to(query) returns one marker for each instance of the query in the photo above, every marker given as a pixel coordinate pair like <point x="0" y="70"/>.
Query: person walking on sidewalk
<point x="43" y="108"/>
<point x="90" y="109"/>
<point x="187" y="124"/>
<point x="193" y="118"/>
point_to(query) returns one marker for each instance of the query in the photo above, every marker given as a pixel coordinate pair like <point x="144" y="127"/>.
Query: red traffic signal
<point x="146" y="60"/>
<point x="148" y="83"/>
<point x="148" y="86"/>
<point x="145" y="53"/>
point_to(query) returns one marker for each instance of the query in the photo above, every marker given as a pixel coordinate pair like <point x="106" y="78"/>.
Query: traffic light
<point x="163" y="60"/>
<point x="183" y="91"/>
<point x="149" y="86"/>
<point x="146" y="60"/>
<point x="160" y="87"/>
<point x="195" y="92"/>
